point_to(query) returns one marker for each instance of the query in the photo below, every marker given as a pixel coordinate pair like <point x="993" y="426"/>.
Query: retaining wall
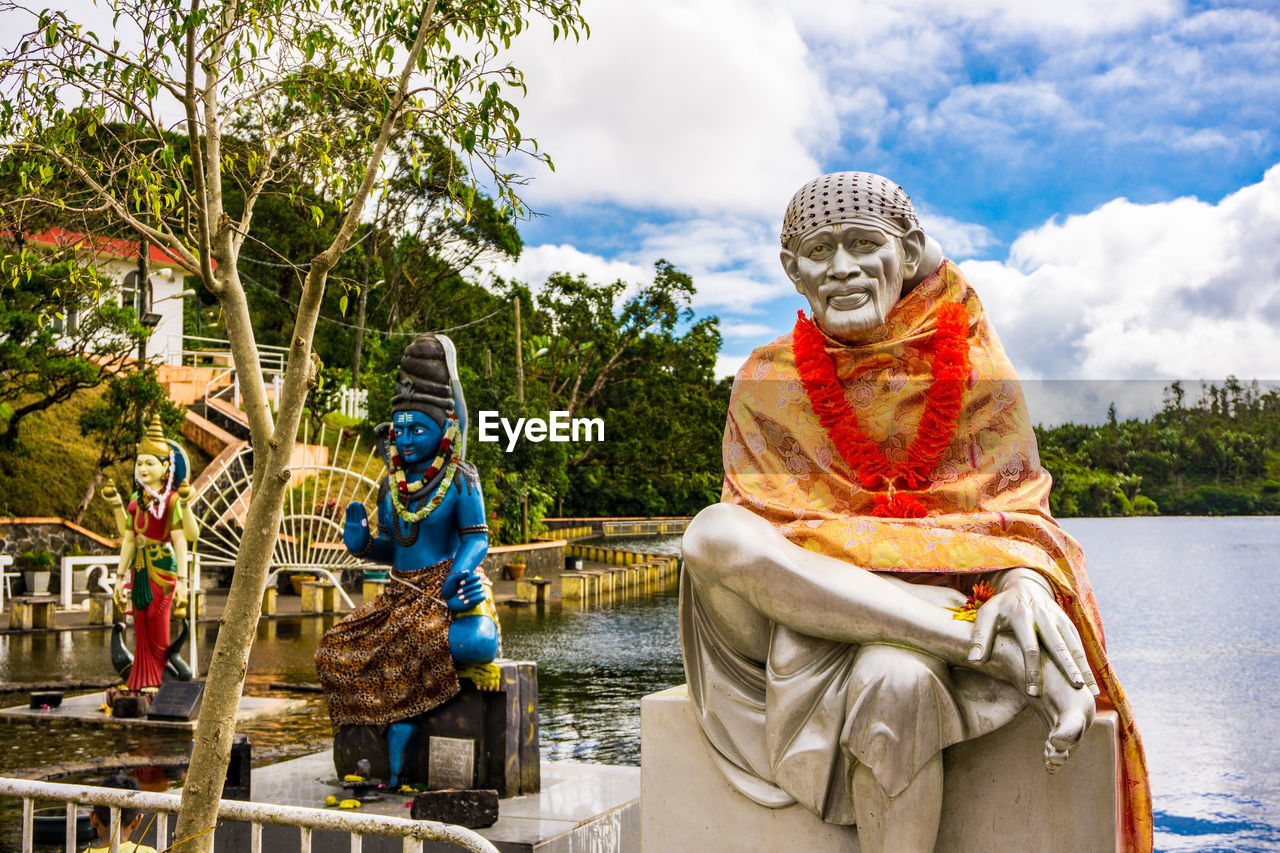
<point x="19" y="535"/>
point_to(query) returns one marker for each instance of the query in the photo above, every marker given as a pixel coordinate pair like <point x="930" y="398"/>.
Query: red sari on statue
<point x="152" y="583"/>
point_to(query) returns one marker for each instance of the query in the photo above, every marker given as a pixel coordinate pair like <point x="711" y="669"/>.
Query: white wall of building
<point x="165" y="343"/>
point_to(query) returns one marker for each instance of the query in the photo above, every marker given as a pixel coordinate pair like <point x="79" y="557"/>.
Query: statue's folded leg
<point x="902" y="713"/>
<point x="750" y="575"/>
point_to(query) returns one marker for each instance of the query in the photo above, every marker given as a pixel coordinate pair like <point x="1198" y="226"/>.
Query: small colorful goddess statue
<point x="155" y="529"/>
<point x="401" y="655"/>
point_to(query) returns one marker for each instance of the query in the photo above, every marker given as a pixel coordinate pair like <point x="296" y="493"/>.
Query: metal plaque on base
<point x="451" y="762"/>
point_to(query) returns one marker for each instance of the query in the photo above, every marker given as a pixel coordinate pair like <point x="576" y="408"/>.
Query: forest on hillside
<point x="634" y="357"/>
<point x="1217" y="454"/>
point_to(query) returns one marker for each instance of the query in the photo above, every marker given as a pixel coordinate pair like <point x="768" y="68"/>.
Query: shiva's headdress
<point x="428" y="382"/>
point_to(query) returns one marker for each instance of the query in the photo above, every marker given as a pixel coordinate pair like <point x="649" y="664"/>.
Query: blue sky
<point x="1099" y="170"/>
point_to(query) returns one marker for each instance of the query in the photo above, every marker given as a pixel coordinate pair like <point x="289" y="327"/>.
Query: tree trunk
<point x="362" y="302"/>
<point x="94" y="482"/>
<point x="236" y="629"/>
<point x="273" y="449"/>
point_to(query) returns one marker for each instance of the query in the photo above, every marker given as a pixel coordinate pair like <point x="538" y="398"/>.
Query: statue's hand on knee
<point x="463" y="590"/>
<point x="1026" y="607"/>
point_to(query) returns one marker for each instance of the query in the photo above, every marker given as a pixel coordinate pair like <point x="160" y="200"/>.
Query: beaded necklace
<point x="949" y="372"/>
<point x="404" y="491"/>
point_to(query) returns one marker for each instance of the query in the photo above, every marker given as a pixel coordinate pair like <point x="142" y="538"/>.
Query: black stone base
<point x="47" y="698"/>
<point x="177" y="700"/>
<point x="130" y="706"/>
<point x="500" y="729"/>
<point x="474" y="809"/>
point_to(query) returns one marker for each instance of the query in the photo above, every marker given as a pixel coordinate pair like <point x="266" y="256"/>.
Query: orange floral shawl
<point x="988" y="501"/>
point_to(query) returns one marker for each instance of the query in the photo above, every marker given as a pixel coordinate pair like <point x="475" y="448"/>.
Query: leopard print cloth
<point x="389" y="659"/>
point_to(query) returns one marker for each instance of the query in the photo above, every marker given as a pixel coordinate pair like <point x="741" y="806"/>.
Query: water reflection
<point x="594" y="663"/>
<point x="593" y="667"/>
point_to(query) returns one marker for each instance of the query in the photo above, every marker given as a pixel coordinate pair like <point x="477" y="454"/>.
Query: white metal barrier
<point x="107" y="562"/>
<point x="5" y="576"/>
<point x="414" y="832"/>
<point x="354" y="402"/>
<point x="200" y="351"/>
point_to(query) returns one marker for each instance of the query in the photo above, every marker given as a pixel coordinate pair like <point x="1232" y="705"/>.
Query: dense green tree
<point x="56" y="338"/>
<point x="1213" y="456"/>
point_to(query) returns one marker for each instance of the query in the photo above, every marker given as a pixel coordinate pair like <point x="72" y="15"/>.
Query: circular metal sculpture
<point x="310" y="539"/>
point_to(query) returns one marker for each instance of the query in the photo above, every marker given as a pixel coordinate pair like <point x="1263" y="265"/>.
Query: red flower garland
<point x="950" y="372"/>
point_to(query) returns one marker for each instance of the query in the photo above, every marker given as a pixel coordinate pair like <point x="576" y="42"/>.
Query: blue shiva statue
<point x="400" y="655"/>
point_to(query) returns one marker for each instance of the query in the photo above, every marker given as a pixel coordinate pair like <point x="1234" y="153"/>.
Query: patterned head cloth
<point x="843" y="196"/>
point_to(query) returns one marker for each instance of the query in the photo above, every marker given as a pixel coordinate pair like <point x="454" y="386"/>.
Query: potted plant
<point x="515" y="570"/>
<point x="38" y="571"/>
<point x="79" y="572"/>
<point x="297" y="580"/>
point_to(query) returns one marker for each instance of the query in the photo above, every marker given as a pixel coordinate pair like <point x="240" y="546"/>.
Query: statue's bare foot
<point x="1068" y="710"/>
<point x="485" y="676"/>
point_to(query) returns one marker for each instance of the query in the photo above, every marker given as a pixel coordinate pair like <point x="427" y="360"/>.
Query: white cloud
<point x="689" y="105"/>
<point x="958" y="239"/>
<point x="994" y="17"/>
<point x="727" y="365"/>
<point x="994" y="110"/>
<point x="1182" y="288"/>
<point x="734" y="293"/>
<point x="734" y="262"/>
<point x="537" y="263"/>
<point x="758" y="331"/>
<point x="718" y="291"/>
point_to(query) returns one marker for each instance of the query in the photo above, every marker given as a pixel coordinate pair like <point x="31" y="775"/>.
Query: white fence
<point x="414" y="832"/>
<point x="353" y="402"/>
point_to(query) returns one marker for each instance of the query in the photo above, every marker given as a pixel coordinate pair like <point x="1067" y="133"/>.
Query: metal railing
<point x="205" y="352"/>
<point x="106" y="562"/>
<point x="414" y="832"/>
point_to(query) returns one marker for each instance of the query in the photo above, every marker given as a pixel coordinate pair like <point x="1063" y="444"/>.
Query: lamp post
<point x="151" y="319"/>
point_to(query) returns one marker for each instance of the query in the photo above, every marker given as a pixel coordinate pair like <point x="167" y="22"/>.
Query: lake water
<point x="1191" y="608"/>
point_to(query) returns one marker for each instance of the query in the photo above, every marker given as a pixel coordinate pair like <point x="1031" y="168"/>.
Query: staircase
<point x="221" y="491"/>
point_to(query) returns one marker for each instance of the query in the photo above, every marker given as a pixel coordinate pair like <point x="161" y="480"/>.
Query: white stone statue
<point x="883" y="578"/>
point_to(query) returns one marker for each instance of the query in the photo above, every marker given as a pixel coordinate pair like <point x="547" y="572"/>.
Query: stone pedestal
<point x="478" y="739"/>
<point x="533" y="589"/>
<point x="574" y="586"/>
<point x="102" y="609"/>
<point x="998" y="797"/>
<point x="269" y="601"/>
<point x="319" y="597"/>
<point x="28" y="612"/>
<point x="371" y="588"/>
